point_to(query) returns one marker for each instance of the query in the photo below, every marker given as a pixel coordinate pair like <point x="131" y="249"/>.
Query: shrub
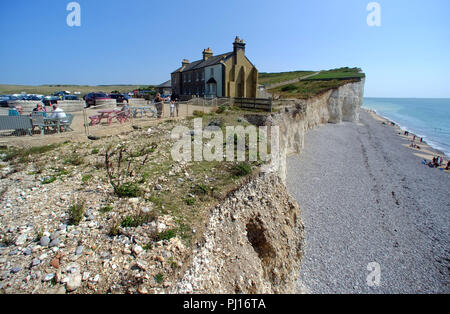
<point x="242" y="169"/>
<point x="200" y="189"/>
<point x="128" y="190"/>
<point x="48" y="180"/>
<point x="86" y="178"/>
<point x="125" y="169"/>
<point x="114" y="231"/>
<point x="221" y="109"/>
<point x="137" y="220"/>
<point x="74" y="160"/>
<point x="190" y="201"/>
<point x="106" y="209"/>
<point x="289" y="88"/>
<point x="198" y="114"/>
<point x="76" y="212"/>
<point x="166" y="235"/>
<point x="159" y="278"/>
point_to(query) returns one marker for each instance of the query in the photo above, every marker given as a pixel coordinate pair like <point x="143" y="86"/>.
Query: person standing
<point x="176" y="99"/>
<point x="159" y="102"/>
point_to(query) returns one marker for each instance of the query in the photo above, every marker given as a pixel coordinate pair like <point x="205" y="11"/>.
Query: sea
<point x="425" y="117"/>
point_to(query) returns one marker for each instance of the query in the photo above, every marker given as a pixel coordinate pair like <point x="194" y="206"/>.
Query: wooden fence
<point x="254" y="103"/>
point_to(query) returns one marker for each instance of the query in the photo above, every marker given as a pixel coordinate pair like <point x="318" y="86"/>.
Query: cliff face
<point x="253" y="241"/>
<point x="334" y="106"/>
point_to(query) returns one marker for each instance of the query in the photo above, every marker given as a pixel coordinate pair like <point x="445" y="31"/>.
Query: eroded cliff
<point x="253" y="241"/>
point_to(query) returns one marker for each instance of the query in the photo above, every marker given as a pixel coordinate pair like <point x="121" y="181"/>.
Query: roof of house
<point x="202" y="64"/>
<point x="165" y="84"/>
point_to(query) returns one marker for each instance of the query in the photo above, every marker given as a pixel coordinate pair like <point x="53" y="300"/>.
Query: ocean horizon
<point x="428" y="118"/>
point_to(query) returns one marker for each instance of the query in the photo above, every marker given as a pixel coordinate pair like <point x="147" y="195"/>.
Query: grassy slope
<point x="320" y="83"/>
<point x="271" y="78"/>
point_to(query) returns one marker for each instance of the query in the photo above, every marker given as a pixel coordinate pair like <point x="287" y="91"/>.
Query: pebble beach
<point x="367" y="198"/>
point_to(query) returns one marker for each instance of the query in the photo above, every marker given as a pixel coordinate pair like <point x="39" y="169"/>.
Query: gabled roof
<point x="202" y="64"/>
<point x="165" y="84"/>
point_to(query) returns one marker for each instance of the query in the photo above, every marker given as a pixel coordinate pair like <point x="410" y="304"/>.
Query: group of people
<point x="56" y="113"/>
<point x="174" y="104"/>
<point x="436" y="163"/>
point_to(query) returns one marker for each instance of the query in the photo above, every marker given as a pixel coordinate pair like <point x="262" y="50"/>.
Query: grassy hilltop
<point x="311" y="86"/>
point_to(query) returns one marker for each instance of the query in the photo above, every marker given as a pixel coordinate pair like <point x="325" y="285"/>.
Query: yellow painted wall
<point x="241" y="77"/>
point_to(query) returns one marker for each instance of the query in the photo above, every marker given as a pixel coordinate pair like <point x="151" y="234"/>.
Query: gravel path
<point x="366" y="198"/>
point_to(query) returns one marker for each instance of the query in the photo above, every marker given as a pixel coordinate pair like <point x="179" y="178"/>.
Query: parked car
<point x="4" y="100"/>
<point x="120" y="98"/>
<point x="70" y="97"/>
<point x="50" y="100"/>
<point x="92" y="98"/>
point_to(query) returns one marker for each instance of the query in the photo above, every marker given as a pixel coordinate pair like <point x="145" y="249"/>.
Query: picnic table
<point x="143" y="110"/>
<point x="107" y="113"/>
<point x="110" y="114"/>
<point x="59" y="123"/>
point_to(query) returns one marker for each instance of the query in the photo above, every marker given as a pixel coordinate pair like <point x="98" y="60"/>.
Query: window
<point x="197" y="76"/>
<point x="184" y="78"/>
<point x="212" y="71"/>
<point x="189" y="77"/>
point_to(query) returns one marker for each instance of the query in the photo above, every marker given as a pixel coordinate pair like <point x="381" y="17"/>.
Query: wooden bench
<point x="58" y="123"/>
<point x="16" y="123"/>
<point x="37" y="120"/>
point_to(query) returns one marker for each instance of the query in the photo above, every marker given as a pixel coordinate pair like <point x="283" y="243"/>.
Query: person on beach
<point x="448" y="166"/>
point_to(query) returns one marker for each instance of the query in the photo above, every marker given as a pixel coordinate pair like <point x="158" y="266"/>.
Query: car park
<point x="50" y="100"/>
<point x="70" y="97"/>
<point x="92" y="98"/>
<point x="120" y="98"/>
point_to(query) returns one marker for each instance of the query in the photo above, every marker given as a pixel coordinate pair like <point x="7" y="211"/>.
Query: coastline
<point x="426" y="151"/>
<point x="434" y="147"/>
<point x="366" y="198"/>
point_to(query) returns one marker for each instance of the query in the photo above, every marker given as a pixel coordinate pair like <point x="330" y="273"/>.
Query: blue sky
<point x="142" y="41"/>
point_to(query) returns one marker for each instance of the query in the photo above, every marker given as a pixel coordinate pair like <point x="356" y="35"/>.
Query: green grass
<point x="76" y="212"/>
<point x="51" y="89"/>
<point x="166" y="235"/>
<point x="128" y="190"/>
<point x="74" y="160"/>
<point x="310" y="88"/>
<point x="242" y="169"/>
<point x="272" y="78"/>
<point x="49" y="180"/>
<point x="106" y="209"/>
<point x="137" y="220"/>
<point x="159" y="278"/>
<point x="314" y="85"/>
<point x="86" y="178"/>
<point x="22" y="155"/>
<point x="338" y="74"/>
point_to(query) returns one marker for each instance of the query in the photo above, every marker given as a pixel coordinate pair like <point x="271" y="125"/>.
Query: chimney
<point x="185" y="62"/>
<point x="207" y="53"/>
<point x="238" y="45"/>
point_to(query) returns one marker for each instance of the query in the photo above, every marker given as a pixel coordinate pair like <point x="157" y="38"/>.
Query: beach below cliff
<point x="368" y="201"/>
